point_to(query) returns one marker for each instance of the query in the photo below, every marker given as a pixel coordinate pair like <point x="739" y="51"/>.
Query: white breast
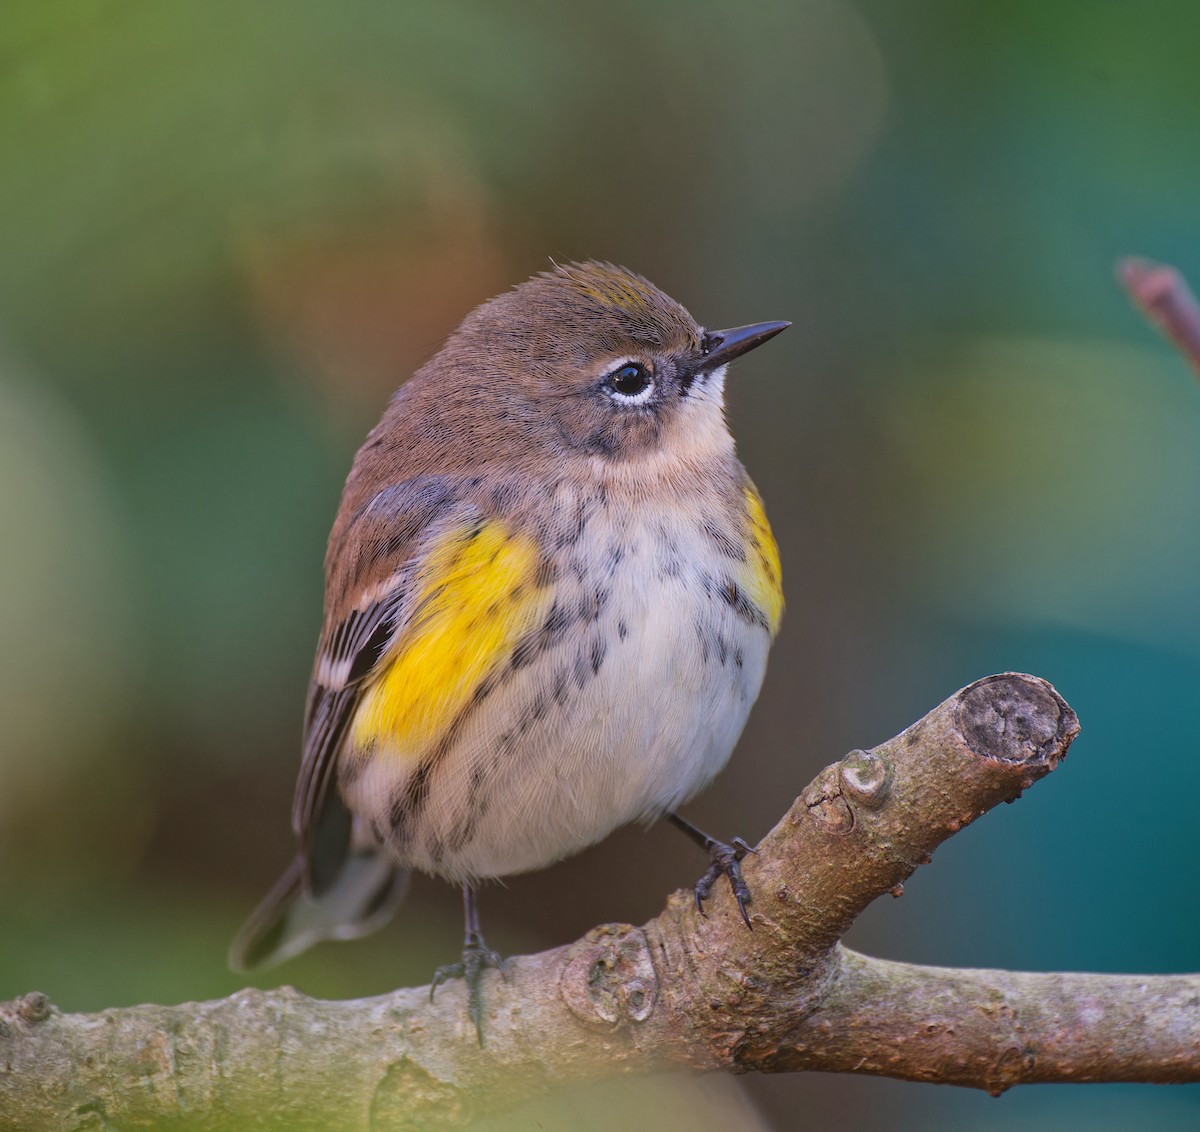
<point x="634" y="708"/>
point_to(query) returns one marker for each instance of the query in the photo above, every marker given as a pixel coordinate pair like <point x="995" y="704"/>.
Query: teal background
<point x="228" y="230"/>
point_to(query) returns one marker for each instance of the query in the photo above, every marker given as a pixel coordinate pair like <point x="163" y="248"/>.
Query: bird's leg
<point x="477" y="957"/>
<point x="724" y="860"/>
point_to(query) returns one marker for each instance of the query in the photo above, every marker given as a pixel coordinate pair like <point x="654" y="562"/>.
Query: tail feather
<point x="360" y="899"/>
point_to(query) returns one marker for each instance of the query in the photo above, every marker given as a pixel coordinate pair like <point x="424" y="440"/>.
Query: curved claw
<point x="476" y="959"/>
<point x="444" y="972"/>
<point x="725" y="860"/>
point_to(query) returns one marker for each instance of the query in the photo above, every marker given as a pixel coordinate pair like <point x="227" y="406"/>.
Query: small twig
<point x="1162" y="294"/>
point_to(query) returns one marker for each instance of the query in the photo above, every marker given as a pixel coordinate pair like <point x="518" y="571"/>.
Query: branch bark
<point x="684" y="990"/>
<point x="995" y="1029"/>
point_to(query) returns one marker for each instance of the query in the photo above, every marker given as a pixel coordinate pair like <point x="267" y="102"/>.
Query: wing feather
<point x="367" y="603"/>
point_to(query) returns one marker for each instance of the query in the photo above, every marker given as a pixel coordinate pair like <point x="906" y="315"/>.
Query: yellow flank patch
<point x="763" y="579"/>
<point x="476" y="599"/>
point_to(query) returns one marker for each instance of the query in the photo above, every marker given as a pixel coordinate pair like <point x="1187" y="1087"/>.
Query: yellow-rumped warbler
<point x="550" y="592"/>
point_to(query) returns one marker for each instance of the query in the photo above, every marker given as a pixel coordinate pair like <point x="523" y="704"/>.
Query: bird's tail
<point x="360" y="899"/>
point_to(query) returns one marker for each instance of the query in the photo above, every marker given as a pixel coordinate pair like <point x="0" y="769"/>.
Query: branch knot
<point x="865" y="777"/>
<point x="608" y="977"/>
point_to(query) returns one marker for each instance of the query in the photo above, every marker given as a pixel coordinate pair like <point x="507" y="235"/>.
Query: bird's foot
<point x="477" y="957"/>
<point x="726" y="862"/>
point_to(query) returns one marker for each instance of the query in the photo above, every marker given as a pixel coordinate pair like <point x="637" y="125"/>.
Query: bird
<point x="551" y="588"/>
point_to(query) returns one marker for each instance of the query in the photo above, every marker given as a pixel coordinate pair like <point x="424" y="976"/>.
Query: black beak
<point x="721" y="346"/>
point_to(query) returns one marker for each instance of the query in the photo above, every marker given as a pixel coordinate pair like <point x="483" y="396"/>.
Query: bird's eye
<point x="630" y="382"/>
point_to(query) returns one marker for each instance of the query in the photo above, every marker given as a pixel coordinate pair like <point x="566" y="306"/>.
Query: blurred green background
<point x="228" y="230"/>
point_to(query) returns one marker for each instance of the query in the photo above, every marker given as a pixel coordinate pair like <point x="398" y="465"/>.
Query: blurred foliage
<point x="228" y="232"/>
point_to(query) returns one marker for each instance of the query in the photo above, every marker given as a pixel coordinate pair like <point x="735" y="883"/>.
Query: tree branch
<point x="1162" y="294"/>
<point x="996" y="1029"/>
<point x="683" y="990"/>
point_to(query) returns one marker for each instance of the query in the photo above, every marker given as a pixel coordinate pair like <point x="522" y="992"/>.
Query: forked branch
<point x="683" y="990"/>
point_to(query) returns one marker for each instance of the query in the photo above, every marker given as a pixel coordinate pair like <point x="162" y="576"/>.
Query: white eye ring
<point x="630" y="383"/>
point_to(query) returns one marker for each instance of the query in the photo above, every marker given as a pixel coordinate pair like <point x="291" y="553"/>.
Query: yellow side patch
<point x="476" y="599"/>
<point x="763" y="580"/>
